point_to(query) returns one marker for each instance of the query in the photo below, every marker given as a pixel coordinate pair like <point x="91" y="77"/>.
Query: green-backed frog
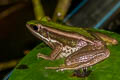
<point x="80" y="47"/>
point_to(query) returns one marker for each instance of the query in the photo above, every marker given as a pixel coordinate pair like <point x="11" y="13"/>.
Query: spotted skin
<point x="67" y="50"/>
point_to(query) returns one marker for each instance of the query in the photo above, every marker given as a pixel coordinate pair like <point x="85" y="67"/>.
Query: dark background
<point x="14" y="36"/>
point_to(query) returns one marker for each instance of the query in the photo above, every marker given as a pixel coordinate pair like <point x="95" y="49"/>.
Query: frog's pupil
<point x="35" y="27"/>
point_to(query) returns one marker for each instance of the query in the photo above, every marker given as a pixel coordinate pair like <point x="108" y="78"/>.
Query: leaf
<point x="31" y="68"/>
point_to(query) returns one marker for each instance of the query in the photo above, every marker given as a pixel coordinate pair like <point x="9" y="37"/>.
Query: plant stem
<point x="9" y="64"/>
<point x="61" y="9"/>
<point x="38" y="9"/>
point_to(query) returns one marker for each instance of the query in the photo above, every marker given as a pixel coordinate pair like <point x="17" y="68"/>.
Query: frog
<point x="80" y="47"/>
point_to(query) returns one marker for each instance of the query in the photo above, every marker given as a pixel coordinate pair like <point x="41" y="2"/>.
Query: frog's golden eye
<point x="35" y="27"/>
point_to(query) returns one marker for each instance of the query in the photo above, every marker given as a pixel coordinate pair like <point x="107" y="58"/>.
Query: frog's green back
<point x="62" y="27"/>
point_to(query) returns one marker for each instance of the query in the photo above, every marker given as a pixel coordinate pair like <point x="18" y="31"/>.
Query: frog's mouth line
<point x="35" y="33"/>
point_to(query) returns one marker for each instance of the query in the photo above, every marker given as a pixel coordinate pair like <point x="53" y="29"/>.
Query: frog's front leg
<point x="57" y="49"/>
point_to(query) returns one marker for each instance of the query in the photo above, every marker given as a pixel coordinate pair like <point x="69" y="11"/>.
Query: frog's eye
<point x="35" y="28"/>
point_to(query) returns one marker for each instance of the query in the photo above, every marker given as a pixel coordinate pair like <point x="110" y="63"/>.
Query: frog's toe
<point x="60" y="69"/>
<point x="51" y="67"/>
<point x="57" y="68"/>
<point x="39" y="55"/>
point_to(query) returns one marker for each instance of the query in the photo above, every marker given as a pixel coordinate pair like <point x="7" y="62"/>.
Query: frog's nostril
<point x="35" y="28"/>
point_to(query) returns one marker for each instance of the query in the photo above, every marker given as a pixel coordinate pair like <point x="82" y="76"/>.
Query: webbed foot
<point x="84" y="73"/>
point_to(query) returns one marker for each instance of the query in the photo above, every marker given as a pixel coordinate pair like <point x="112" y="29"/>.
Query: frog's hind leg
<point x="72" y="64"/>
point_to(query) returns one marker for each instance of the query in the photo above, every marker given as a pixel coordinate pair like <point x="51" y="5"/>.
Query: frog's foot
<point x="84" y="73"/>
<point x="57" y="68"/>
<point x="77" y="73"/>
<point x="63" y="67"/>
<point x="39" y="55"/>
<point x="60" y="68"/>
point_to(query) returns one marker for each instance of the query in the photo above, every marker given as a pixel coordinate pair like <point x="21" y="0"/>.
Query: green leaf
<point x="31" y="68"/>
